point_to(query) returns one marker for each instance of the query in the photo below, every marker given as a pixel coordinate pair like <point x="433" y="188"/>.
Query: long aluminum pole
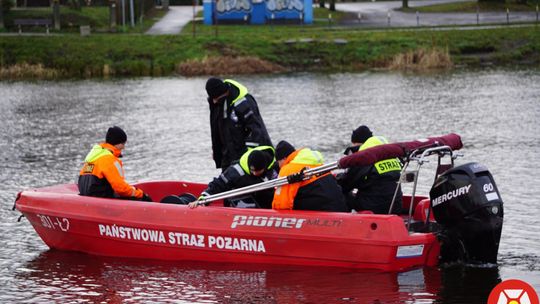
<point x="268" y="184"/>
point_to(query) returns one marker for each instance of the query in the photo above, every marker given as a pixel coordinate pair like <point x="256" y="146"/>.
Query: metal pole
<point x="477" y="15"/>
<point x="132" y="13"/>
<point x="329" y="20"/>
<point x="268" y="184"/>
<point x="417" y="18"/>
<point x="214" y="10"/>
<point x="2" y="13"/>
<point x="124" y="15"/>
<point x="401" y="174"/>
<point x="141" y="13"/>
<point x="56" y="14"/>
<point x="388" y="16"/>
<point x="507" y="16"/>
<point x="413" y="195"/>
<point x="194" y="15"/>
<point x="112" y="16"/>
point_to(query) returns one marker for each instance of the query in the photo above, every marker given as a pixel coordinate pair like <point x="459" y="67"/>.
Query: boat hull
<point x="121" y="228"/>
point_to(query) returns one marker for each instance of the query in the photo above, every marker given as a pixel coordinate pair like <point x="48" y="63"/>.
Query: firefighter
<point x="235" y="121"/>
<point x="371" y="187"/>
<point x="316" y="193"/>
<point x="102" y="174"/>
<point x="255" y="166"/>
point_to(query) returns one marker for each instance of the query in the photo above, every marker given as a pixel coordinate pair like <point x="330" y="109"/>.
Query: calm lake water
<point x="48" y="127"/>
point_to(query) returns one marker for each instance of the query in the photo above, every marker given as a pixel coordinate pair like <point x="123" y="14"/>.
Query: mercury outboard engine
<point x="468" y="206"/>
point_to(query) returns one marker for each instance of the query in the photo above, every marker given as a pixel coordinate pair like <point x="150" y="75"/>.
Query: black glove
<point x="296" y="177"/>
<point x="146" y="198"/>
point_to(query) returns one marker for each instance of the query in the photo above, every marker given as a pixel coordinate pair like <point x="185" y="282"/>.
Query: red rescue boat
<point x="120" y="228"/>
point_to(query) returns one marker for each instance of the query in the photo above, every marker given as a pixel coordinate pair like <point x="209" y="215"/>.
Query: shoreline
<point x="255" y="50"/>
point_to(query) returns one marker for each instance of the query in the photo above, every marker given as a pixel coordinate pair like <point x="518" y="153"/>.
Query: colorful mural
<point x="233" y="5"/>
<point x="257" y="11"/>
<point x="281" y="5"/>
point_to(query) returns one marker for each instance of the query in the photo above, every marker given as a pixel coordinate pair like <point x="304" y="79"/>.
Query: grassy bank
<point x="263" y="49"/>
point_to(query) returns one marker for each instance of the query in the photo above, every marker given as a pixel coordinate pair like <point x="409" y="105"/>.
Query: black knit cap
<point x="115" y="135"/>
<point x="258" y="160"/>
<point x="215" y="87"/>
<point x="361" y="134"/>
<point x="284" y="149"/>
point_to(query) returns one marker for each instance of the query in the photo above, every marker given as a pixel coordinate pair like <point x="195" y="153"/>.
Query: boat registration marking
<point x="409" y="251"/>
<point x="54" y="222"/>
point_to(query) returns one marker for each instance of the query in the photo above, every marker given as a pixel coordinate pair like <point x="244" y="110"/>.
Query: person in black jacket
<point x="371" y="187"/>
<point x="235" y="121"/>
<point x="255" y="166"/>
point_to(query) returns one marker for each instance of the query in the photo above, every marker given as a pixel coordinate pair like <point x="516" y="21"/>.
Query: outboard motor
<point x="468" y="206"/>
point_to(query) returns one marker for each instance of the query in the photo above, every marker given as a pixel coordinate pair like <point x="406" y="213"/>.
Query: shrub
<point x="6" y="5"/>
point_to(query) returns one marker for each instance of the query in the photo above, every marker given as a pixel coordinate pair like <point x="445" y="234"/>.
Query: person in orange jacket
<point x="102" y="174"/>
<point x="316" y="193"/>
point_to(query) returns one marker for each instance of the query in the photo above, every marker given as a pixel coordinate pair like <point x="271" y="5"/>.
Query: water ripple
<point x="48" y="127"/>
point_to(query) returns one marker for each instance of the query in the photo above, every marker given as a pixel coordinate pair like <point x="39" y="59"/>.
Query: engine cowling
<point x="467" y="204"/>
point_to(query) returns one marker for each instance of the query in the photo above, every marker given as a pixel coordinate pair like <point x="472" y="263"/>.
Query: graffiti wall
<point x="257" y="11"/>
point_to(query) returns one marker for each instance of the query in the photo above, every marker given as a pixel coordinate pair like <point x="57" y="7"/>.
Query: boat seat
<point x="182" y="199"/>
<point x="421" y="211"/>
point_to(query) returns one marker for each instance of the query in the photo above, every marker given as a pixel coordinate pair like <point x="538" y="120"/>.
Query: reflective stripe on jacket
<point x="102" y="174"/>
<point x="243" y="91"/>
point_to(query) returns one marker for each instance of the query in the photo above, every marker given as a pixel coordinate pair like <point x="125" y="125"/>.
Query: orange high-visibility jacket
<point x="103" y="174"/>
<point x="295" y="162"/>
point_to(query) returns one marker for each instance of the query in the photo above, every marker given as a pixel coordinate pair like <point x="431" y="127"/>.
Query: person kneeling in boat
<point x="102" y="174"/>
<point x="316" y="193"/>
<point x="371" y="187"/>
<point x="255" y="166"/>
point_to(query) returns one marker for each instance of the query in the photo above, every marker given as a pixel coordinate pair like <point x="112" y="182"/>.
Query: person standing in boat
<point x="102" y="174"/>
<point x="371" y="187"/>
<point x="255" y="166"/>
<point x="235" y="121"/>
<point x="316" y="193"/>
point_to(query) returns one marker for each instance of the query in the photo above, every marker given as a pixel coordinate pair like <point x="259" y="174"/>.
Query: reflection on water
<point x="48" y="127"/>
<point x="71" y="276"/>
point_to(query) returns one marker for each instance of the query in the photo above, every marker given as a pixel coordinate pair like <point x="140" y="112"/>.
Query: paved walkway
<point x="173" y="22"/>
<point x="370" y="14"/>
<point x="376" y="14"/>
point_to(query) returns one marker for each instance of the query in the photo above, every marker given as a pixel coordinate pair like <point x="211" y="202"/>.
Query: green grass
<point x="322" y="13"/>
<point x="314" y="47"/>
<point x="71" y="19"/>
<point x="141" y="55"/>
